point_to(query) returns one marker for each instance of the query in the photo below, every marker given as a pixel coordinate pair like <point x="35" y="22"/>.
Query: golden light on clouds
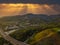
<point x="41" y="9"/>
<point x="11" y="9"/>
<point x="19" y="9"/>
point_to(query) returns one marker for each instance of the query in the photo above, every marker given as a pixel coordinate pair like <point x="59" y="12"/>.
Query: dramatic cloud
<point x="19" y="9"/>
<point x="32" y="1"/>
<point x="12" y="9"/>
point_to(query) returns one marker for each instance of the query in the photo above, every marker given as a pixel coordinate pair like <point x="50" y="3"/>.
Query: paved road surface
<point x="10" y="39"/>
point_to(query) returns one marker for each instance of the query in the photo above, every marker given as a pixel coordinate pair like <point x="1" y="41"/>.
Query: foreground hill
<point x="38" y="37"/>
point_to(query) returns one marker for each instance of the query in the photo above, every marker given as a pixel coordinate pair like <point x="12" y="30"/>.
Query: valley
<point x="32" y="29"/>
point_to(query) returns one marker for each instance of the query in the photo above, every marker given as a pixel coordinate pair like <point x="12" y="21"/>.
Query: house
<point x="11" y="27"/>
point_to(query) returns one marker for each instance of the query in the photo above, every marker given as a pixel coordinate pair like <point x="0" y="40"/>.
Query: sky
<point x="32" y="1"/>
<point x="21" y="7"/>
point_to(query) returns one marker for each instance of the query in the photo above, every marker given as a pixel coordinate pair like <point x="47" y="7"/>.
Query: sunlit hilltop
<point x="20" y="9"/>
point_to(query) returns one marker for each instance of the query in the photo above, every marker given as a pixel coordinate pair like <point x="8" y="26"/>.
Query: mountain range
<point x="32" y="18"/>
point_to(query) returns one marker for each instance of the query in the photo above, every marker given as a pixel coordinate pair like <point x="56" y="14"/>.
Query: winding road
<point x="10" y="39"/>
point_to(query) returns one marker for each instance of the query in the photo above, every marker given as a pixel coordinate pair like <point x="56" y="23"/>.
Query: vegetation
<point x="33" y="29"/>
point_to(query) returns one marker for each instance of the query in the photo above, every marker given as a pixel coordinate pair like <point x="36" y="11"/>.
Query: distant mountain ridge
<point x="30" y="16"/>
<point x="31" y="19"/>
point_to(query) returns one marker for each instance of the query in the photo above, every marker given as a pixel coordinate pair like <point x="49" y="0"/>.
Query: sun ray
<point x="18" y="9"/>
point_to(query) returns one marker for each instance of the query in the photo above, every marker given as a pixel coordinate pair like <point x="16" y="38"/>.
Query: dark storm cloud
<point x="32" y="1"/>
